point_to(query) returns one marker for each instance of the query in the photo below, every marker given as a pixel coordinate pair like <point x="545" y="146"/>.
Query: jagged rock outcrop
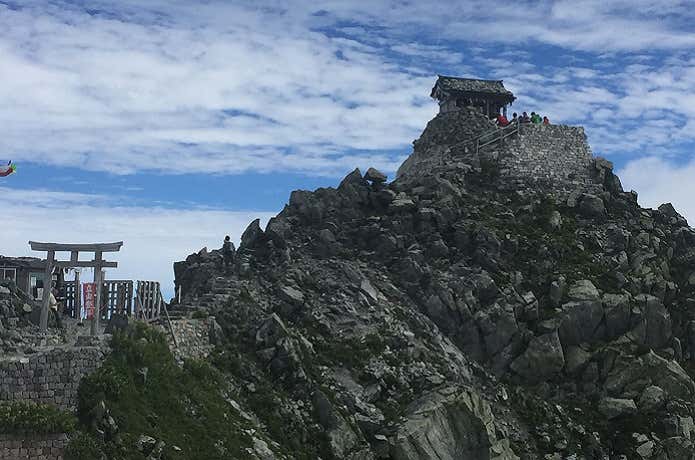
<point x="464" y="310"/>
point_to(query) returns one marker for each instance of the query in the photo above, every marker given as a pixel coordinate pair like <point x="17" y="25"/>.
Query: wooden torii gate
<point x="98" y="264"/>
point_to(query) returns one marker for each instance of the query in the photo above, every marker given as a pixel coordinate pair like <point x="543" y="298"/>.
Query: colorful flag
<point x="89" y="291"/>
<point x="7" y="170"/>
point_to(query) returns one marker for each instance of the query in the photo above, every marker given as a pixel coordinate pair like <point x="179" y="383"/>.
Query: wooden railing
<point x="490" y="137"/>
<point x="149" y="305"/>
<point x="148" y="301"/>
<point x="496" y="135"/>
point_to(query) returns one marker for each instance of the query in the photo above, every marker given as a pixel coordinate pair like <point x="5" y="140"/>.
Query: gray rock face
<point x="291" y="295"/>
<point x="341" y="437"/>
<point x="271" y="331"/>
<point x="251" y="235"/>
<point x="583" y="290"/>
<point x="542" y="360"/>
<point x="478" y="306"/>
<point x="613" y="407"/>
<point x="652" y="399"/>
<point x="449" y="425"/>
<point x="592" y="206"/>
<point x="576" y="359"/>
<point x="375" y="176"/>
<point x="581" y="321"/>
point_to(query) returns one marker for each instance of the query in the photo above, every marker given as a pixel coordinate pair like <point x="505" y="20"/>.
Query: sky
<point x="169" y="124"/>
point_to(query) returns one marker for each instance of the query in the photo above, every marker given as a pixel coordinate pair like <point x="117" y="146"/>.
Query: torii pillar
<point x="98" y="264"/>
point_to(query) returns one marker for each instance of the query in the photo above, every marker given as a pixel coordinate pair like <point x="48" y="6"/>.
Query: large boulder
<point x="592" y="206"/>
<point x="655" y="328"/>
<point x="375" y="176"/>
<point x="583" y="290"/>
<point x="497" y="326"/>
<point x="271" y="331"/>
<point x="542" y="360"/>
<point x="652" y="399"/>
<point x="291" y="295"/>
<point x="252" y="235"/>
<point x="341" y="438"/>
<point x="618" y="310"/>
<point x="627" y="375"/>
<point x="581" y="321"/>
<point x="451" y="424"/>
<point x="615" y="407"/>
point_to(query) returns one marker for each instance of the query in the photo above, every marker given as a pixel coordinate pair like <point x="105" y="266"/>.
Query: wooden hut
<point x="488" y="96"/>
<point x="28" y="274"/>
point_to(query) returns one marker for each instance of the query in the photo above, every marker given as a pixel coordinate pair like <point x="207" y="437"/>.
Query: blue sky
<point x="168" y="124"/>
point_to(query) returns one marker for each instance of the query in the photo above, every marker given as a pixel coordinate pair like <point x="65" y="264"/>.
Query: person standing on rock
<point x="228" y="253"/>
<point x="56" y="307"/>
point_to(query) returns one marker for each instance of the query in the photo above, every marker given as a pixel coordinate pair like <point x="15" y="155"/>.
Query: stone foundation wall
<point x="192" y="337"/>
<point x="554" y="153"/>
<point x="44" y="447"/>
<point x="50" y="377"/>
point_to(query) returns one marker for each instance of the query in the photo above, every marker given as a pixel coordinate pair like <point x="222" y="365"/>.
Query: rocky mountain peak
<point x="502" y="302"/>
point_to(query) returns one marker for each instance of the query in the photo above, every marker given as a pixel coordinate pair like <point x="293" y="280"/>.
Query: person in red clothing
<point x="546" y="121"/>
<point x="502" y="120"/>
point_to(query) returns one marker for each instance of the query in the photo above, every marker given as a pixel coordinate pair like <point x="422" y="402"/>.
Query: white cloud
<point x="658" y="181"/>
<point x="153" y="237"/>
<point x="248" y="89"/>
<point x="231" y="87"/>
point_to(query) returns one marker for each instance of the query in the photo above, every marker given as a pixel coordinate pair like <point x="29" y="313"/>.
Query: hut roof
<point x="471" y="86"/>
<point x="31" y="263"/>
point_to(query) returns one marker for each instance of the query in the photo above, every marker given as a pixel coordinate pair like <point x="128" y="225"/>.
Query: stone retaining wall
<point x="44" y="447"/>
<point x="50" y="377"/>
<point x="557" y="154"/>
<point x="192" y="337"/>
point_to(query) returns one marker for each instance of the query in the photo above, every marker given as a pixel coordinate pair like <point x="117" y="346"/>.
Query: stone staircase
<point x="188" y="333"/>
<point x="222" y="289"/>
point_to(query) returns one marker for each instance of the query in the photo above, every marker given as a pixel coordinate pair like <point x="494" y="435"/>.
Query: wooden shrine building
<point x="488" y="96"/>
<point x="28" y="273"/>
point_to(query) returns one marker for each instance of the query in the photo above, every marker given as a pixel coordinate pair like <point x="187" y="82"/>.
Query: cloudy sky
<point x="168" y="124"/>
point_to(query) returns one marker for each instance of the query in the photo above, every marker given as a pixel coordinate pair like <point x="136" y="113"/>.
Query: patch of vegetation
<point x="21" y="417"/>
<point x="538" y="251"/>
<point x="200" y="314"/>
<point x="84" y="446"/>
<point x="147" y="393"/>
<point x="270" y="397"/>
<point x="353" y="353"/>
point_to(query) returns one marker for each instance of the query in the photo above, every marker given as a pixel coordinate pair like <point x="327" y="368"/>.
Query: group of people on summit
<point x="502" y="120"/>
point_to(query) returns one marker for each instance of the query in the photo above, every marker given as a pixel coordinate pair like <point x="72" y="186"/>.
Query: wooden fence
<point x="148" y="301"/>
<point x="117" y="297"/>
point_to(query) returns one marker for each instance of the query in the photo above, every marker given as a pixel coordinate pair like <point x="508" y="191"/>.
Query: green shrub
<point x="183" y="407"/>
<point x="84" y="447"/>
<point x="29" y="417"/>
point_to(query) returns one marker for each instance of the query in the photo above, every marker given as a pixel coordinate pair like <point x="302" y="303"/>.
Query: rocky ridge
<point x="454" y="314"/>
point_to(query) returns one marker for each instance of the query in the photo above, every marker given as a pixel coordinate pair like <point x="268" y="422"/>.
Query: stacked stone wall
<point x="45" y="447"/>
<point x="50" y="377"/>
<point x="192" y="337"/>
<point x="554" y="154"/>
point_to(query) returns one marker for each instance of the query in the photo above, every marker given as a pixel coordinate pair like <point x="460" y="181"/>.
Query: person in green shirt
<point x="535" y="118"/>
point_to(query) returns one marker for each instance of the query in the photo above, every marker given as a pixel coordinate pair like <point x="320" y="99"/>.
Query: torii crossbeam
<point x="98" y="264"/>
